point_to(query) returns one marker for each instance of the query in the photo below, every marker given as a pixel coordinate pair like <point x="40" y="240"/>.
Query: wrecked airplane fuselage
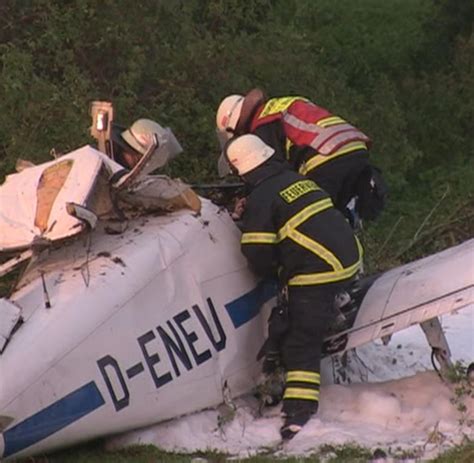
<point x="135" y="305"/>
<point x="147" y="323"/>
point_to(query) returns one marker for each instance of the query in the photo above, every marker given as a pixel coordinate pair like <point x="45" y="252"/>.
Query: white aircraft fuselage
<point x="142" y="326"/>
<point x="123" y="330"/>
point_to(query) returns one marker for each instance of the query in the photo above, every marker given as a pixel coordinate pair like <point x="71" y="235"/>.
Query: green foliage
<point x="94" y="453"/>
<point x="461" y="454"/>
<point x="345" y="453"/>
<point x="463" y="391"/>
<point x="403" y="71"/>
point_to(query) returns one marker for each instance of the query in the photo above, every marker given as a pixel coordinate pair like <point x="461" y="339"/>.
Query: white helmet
<point x="228" y="115"/>
<point x="246" y="153"/>
<point x="140" y="134"/>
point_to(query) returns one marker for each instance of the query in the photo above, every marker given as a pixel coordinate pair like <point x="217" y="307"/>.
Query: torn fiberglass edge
<point x="49" y="202"/>
<point x="33" y="202"/>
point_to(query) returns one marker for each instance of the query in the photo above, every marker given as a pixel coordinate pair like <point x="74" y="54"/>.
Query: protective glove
<point x="278" y="324"/>
<point x="271" y="388"/>
<point x="271" y="362"/>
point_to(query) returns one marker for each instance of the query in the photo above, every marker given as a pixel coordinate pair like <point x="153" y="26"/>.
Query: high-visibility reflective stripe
<point x="297" y="123"/>
<point x="301" y="393"/>
<point x="278" y="105"/>
<point x="302" y="216"/>
<point x="295" y="221"/>
<point x="303" y="376"/>
<point x="324" y="277"/>
<point x="327" y="145"/>
<point x="289" y="231"/>
<point x="359" y="248"/>
<point x="258" y="238"/>
<point x="328" y="138"/>
<point x="328" y="121"/>
<point x="288" y="146"/>
<point x="322" y="133"/>
<point x="319" y="159"/>
<point x="316" y="248"/>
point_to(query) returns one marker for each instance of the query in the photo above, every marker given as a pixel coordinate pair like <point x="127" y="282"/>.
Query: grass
<point x="351" y="453"/>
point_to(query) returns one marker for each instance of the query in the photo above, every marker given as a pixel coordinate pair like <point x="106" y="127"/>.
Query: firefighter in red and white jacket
<point x="322" y="146"/>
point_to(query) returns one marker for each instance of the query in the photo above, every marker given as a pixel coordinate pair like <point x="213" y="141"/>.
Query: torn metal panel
<point x="50" y="184"/>
<point x="33" y="202"/>
<point x="159" y="192"/>
<point x="10" y="315"/>
<point x="14" y="262"/>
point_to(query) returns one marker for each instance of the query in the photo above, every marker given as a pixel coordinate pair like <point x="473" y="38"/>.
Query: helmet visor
<point x="223" y="167"/>
<point x="223" y="136"/>
<point x="168" y="148"/>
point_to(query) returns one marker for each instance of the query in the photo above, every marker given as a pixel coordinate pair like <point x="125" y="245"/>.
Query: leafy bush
<point x="401" y="70"/>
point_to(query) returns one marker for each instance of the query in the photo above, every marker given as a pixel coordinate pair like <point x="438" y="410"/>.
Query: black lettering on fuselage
<point x="107" y="366"/>
<point x="191" y="338"/>
<point x="152" y="359"/>
<point x="178" y="336"/>
<point x="174" y="348"/>
<point x="220" y="344"/>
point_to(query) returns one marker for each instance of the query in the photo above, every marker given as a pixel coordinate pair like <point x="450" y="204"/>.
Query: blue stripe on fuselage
<point x="247" y="306"/>
<point x="53" y="418"/>
<point x="88" y="398"/>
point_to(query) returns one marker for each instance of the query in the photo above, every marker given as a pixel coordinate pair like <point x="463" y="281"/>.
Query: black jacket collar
<point x="268" y="169"/>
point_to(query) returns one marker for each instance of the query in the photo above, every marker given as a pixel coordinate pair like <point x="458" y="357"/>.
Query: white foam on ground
<point x="404" y="407"/>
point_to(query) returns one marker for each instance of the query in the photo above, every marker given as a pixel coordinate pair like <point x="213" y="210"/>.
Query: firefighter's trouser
<point x="310" y="311"/>
<point x="338" y="177"/>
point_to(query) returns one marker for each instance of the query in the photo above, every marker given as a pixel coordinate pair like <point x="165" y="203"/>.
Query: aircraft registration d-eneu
<point x="134" y="304"/>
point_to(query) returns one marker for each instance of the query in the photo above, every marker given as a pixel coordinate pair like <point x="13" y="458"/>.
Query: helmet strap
<point x="252" y="101"/>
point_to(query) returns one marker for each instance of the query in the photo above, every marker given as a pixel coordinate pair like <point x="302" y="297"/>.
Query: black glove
<point x="278" y="324"/>
<point x="271" y="362"/>
<point x="277" y="328"/>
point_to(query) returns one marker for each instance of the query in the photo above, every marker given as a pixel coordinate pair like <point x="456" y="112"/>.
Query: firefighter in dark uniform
<point x="322" y="146"/>
<point x="291" y="230"/>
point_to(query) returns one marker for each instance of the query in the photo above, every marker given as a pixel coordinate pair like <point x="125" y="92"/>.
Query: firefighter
<point x="291" y="230"/>
<point x="132" y="143"/>
<point x="318" y="144"/>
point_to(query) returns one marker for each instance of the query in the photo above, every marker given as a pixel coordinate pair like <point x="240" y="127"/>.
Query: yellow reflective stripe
<point x="289" y="231"/>
<point x="360" y="249"/>
<point x="258" y="238"/>
<point x="316" y="248"/>
<point x="332" y="120"/>
<point x="324" y="277"/>
<point x="301" y="393"/>
<point x="319" y="159"/>
<point x="278" y="105"/>
<point x="330" y="124"/>
<point x="302" y="216"/>
<point x="303" y="376"/>
<point x="289" y="144"/>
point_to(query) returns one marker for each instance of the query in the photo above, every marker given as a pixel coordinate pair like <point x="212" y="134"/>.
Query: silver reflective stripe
<point x="335" y="142"/>
<point x="326" y="139"/>
<point x="301" y="125"/>
<point x="328" y="132"/>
